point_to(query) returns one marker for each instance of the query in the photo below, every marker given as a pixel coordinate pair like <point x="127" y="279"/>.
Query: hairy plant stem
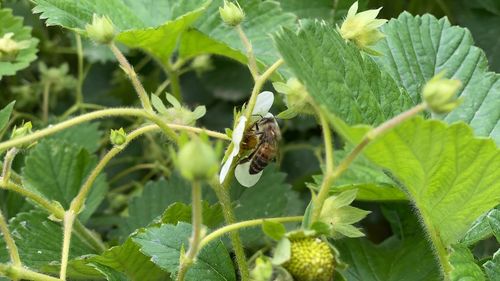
<point x="69" y="219"/>
<point x="336" y="172"/>
<point x="196" y="236"/>
<point x="9" y="241"/>
<point x="7" y="164"/>
<point x="173" y="76"/>
<point x="138" y="112"/>
<point x="79" y="54"/>
<point x="19" y="272"/>
<point x="45" y="102"/>
<point x="129" y="70"/>
<point x="252" y="62"/>
<point x="222" y="192"/>
<point x="243" y="224"/>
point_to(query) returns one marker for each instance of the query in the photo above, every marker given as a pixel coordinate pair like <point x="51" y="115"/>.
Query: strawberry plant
<point x="253" y="140"/>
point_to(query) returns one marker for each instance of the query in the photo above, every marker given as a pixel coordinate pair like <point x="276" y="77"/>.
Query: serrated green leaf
<point x="282" y="252"/>
<point x="392" y="260"/>
<point x="212" y="215"/>
<point x="153" y="28"/>
<point x="8" y="24"/>
<point x="274" y="230"/>
<point x="157" y="196"/>
<point x="40" y="240"/>
<point x="87" y="136"/>
<point x="418" y="47"/>
<point x="110" y="273"/>
<point x="127" y="258"/>
<point x="5" y="114"/>
<point x="212" y="35"/>
<point x="338" y="76"/>
<point x="464" y="266"/>
<point x="57" y="170"/>
<point x="450" y="175"/>
<point x="484" y="227"/>
<point x="492" y="267"/>
<point x="164" y="244"/>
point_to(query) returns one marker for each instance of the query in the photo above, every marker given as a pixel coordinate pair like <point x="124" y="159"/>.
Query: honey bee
<point x="263" y="136"/>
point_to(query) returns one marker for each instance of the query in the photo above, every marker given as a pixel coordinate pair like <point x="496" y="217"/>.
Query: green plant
<point x="407" y="153"/>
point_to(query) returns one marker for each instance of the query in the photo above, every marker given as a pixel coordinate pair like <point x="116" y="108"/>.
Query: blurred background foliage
<point x="220" y="85"/>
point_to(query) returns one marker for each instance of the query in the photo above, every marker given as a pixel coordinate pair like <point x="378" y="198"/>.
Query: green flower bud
<point x="311" y="260"/>
<point x="231" y="13"/>
<point x="440" y="94"/>
<point x="263" y="270"/>
<point x="118" y="137"/>
<point x="362" y="28"/>
<point x="22" y="131"/>
<point x="101" y="30"/>
<point x="202" y="64"/>
<point x="9" y="48"/>
<point x="197" y="160"/>
<point x="297" y="99"/>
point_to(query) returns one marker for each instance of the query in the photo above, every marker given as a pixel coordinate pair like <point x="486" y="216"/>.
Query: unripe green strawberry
<point x="311" y="260"/>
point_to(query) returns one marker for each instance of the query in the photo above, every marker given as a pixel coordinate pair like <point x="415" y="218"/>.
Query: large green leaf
<point x="450" y="175"/>
<point x="11" y="24"/>
<point x="418" y="47"/>
<point x="338" y="76"/>
<point x="492" y="267"/>
<point x="484" y="227"/>
<point x="5" y="115"/>
<point x="127" y="258"/>
<point x="212" y="35"/>
<point x="86" y="135"/>
<point x="392" y="260"/>
<point x="57" y="169"/>
<point x="40" y="240"/>
<point x="141" y="24"/>
<point x="164" y="246"/>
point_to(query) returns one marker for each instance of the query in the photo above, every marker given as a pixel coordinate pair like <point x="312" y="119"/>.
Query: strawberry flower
<point x="261" y="109"/>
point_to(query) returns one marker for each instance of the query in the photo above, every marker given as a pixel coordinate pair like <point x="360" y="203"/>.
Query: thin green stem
<point x="79" y="54"/>
<point x="45" y="102"/>
<point x="7" y="164"/>
<point x="329" y="162"/>
<point x="196" y="236"/>
<point x="80" y="198"/>
<point x="259" y="83"/>
<point x="9" y="241"/>
<point x="222" y="192"/>
<point x="69" y="218"/>
<point x="15" y="272"/>
<point x="243" y="224"/>
<point x="90" y="238"/>
<point x="129" y="70"/>
<point x="329" y="177"/>
<point x="173" y="76"/>
<point x="73" y="122"/>
<point x="252" y="62"/>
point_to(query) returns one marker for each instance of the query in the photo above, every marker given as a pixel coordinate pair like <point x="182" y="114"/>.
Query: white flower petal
<point x="353" y="9"/>
<point x="263" y="104"/>
<point x="244" y="177"/>
<point x="225" y="167"/>
<point x="238" y="132"/>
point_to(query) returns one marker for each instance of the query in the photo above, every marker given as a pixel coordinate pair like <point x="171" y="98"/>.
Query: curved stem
<point x="243" y="224"/>
<point x="69" y="218"/>
<point x="222" y="192"/>
<point x="79" y="200"/>
<point x="347" y="161"/>
<point x="7" y="164"/>
<point x="252" y="62"/>
<point x="9" y="241"/>
<point x="129" y="70"/>
<point x="15" y="271"/>
<point x="194" y="244"/>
